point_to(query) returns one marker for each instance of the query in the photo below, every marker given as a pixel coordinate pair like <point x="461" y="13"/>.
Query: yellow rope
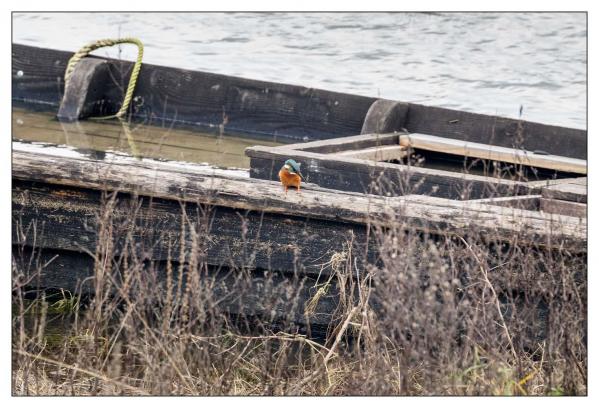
<point x="83" y="52"/>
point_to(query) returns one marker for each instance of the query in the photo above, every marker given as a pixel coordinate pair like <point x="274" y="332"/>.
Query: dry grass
<point x="434" y="315"/>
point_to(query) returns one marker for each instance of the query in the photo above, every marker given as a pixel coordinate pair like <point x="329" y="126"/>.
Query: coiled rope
<point x="83" y="52"/>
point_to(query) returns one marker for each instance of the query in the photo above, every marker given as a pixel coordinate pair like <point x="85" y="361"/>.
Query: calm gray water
<point x="486" y="63"/>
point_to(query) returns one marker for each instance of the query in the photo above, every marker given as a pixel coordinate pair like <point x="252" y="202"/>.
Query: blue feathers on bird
<point x="295" y="166"/>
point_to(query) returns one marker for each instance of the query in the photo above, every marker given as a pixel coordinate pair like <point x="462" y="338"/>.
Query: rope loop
<point x="83" y="52"/>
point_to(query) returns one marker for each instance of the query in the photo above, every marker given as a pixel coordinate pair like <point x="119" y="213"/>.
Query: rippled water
<point x="486" y="63"/>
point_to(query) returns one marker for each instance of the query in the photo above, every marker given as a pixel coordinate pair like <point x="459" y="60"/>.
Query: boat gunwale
<point x="421" y="213"/>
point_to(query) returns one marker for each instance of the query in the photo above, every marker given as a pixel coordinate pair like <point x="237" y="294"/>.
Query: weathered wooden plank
<point x="351" y="174"/>
<point x="568" y="208"/>
<point x="68" y="218"/>
<point x="566" y="192"/>
<point x="340" y="144"/>
<point x="491" y="152"/>
<point x="514" y="133"/>
<point x="537" y="185"/>
<point x="38" y="75"/>
<point x="581" y="181"/>
<point x="526" y="202"/>
<point x="382" y="153"/>
<point x="427" y="214"/>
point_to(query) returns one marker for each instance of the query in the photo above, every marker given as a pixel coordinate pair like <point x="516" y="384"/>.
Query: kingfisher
<point x="290" y="175"/>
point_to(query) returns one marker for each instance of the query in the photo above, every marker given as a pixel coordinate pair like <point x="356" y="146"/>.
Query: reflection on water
<point x="94" y="138"/>
<point x="482" y="62"/>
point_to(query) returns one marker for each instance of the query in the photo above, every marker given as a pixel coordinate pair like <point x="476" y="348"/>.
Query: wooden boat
<point x="348" y="143"/>
<point x="190" y="98"/>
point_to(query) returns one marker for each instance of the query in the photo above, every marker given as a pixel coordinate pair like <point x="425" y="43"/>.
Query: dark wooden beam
<point x="574" y="191"/>
<point x="365" y="176"/>
<point x="563" y="207"/>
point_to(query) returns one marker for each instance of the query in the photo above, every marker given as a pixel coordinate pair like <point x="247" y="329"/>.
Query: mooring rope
<point x="83" y="52"/>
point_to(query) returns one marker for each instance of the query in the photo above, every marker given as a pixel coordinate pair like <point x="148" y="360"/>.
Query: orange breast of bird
<point x="289" y="179"/>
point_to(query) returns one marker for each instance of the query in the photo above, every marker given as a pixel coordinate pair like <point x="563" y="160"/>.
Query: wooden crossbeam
<point x="381" y="153"/>
<point x="569" y="208"/>
<point x="566" y="191"/>
<point x="340" y="144"/>
<point x="491" y="152"/>
<point x="524" y="202"/>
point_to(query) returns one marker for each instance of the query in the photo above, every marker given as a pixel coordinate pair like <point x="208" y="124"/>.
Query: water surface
<point x="94" y="138"/>
<point x="492" y="63"/>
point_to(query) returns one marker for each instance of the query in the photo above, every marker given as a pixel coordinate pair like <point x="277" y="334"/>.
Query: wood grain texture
<point x="421" y="213"/>
<point x="340" y="144"/>
<point x="566" y="191"/>
<point x="491" y="152"/>
<point x="569" y="208"/>
<point x="382" y="153"/>
<point x="526" y="202"/>
<point x="546" y="183"/>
